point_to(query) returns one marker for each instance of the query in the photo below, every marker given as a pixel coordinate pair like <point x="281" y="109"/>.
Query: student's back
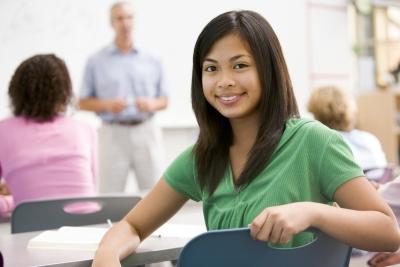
<point x="366" y="148"/>
<point x="47" y="159"/>
<point x="43" y="153"/>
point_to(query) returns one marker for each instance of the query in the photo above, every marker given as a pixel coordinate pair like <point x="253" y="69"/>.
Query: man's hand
<point x="115" y="106"/>
<point x="146" y="104"/>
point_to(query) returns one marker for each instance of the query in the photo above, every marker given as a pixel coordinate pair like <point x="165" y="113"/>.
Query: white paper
<point x="69" y="237"/>
<point x="179" y="230"/>
<point x="88" y="238"/>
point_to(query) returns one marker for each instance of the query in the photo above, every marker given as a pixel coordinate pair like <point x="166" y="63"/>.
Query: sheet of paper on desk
<point x="179" y="230"/>
<point x="68" y="237"/>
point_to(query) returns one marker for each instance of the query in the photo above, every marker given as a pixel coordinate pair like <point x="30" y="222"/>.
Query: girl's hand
<point x="278" y="224"/>
<point x="106" y="258"/>
<point x="4" y="189"/>
<point x="384" y="259"/>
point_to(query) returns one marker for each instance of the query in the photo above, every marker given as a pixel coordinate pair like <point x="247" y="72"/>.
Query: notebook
<point x="88" y="238"/>
<point x="69" y="237"/>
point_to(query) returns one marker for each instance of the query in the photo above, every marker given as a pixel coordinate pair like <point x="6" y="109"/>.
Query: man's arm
<point x="151" y="104"/>
<point x="102" y="105"/>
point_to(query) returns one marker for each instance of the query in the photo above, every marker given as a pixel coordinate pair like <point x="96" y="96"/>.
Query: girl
<point x="255" y="162"/>
<point x="44" y="154"/>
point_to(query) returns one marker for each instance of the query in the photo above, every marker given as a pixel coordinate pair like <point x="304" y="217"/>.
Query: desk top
<point x="15" y="252"/>
<point x="153" y="249"/>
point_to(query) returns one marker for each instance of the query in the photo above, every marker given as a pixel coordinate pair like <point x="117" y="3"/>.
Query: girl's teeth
<point x="228" y="98"/>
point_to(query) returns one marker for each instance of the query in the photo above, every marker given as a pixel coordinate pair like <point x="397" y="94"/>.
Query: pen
<point x="109" y="223"/>
<point x="156" y="236"/>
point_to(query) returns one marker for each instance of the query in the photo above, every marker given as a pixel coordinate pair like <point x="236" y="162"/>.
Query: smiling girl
<point x="255" y="161"/>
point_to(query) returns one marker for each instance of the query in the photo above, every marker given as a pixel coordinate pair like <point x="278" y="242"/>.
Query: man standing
<point x="125" y="87"/>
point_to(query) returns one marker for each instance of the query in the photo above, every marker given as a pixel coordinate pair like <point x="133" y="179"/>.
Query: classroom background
<point x="351" y="44"/>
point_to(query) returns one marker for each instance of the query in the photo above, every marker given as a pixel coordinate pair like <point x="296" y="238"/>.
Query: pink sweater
<point x="45" y="160"/>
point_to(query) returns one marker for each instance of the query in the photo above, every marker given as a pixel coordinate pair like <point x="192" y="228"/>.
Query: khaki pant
<point x="124" y="148"/>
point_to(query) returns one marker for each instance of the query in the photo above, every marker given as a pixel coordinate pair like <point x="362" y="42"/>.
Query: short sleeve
<point x="87" y="89"/>
<point x="337" y="165"/>
<point x="162" y="89"/>
<point x="180" y="175"/>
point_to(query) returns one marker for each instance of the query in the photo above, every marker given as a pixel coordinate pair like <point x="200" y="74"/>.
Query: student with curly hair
<point x="44" y="153"/>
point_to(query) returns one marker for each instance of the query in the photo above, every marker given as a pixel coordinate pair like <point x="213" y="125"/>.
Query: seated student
<point x="337" y="109"/>
<point x="390" y="193"/>
<point x="255" y="162"/>
<point x="44" y="153"/>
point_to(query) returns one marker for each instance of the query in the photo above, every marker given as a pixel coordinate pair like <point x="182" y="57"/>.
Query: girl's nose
<point x="226" y="81"/>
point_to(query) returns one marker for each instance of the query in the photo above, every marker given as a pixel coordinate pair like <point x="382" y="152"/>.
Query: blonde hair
<point x="333" y="107"/>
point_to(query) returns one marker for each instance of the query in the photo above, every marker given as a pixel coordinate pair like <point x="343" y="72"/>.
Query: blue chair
<point x="236" y="248"/>
<point x="53" y="213"/>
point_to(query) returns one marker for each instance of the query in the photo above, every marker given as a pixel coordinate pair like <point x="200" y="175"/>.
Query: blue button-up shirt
<point x="110" y="73"/>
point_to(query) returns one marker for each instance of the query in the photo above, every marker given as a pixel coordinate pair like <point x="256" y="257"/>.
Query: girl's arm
<point x="6" y="199"/>
<point x="6" y="205"/>
<point x="363" y="220"/>
<point x="122" y="239"/>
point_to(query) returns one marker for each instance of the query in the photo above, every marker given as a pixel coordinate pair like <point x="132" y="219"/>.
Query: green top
<point x="310" y="162"/>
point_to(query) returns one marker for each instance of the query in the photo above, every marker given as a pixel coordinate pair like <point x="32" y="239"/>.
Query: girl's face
<point x="230" y="79"/>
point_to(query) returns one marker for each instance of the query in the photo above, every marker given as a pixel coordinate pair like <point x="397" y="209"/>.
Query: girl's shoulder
<point x="8" y="120"/>
<point x="303" y="126"/>
<point x="12" y="122"/>
<point x="74" y="124"/>
<point x="186" y="155"/>
<point x="308" y="134"/>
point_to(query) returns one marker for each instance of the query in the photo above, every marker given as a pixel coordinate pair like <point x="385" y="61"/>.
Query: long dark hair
<point x="40" y="88"/>
<point x="277" y="103"/>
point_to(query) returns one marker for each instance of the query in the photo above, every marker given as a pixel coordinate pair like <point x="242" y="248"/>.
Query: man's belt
<point x="127" y="123"/>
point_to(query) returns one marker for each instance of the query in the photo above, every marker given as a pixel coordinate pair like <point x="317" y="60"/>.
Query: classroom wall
<point x="313" y="35"/>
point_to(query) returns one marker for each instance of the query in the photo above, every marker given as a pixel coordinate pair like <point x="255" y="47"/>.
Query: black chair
<point x="54" y="213"/>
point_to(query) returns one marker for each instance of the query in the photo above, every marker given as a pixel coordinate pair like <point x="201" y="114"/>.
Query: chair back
<point x="235" y="247"/>
<point x="77" y="211"/>
<point x="385" y="174"/>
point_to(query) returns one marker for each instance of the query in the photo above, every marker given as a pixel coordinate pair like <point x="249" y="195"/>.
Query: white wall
<point x="74" y="29"/>
<point x="329" y="48"/>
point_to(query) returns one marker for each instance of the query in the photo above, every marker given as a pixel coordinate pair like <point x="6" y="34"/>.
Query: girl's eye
<point x="240" y="66"/>
<point x="210" y="68"/>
